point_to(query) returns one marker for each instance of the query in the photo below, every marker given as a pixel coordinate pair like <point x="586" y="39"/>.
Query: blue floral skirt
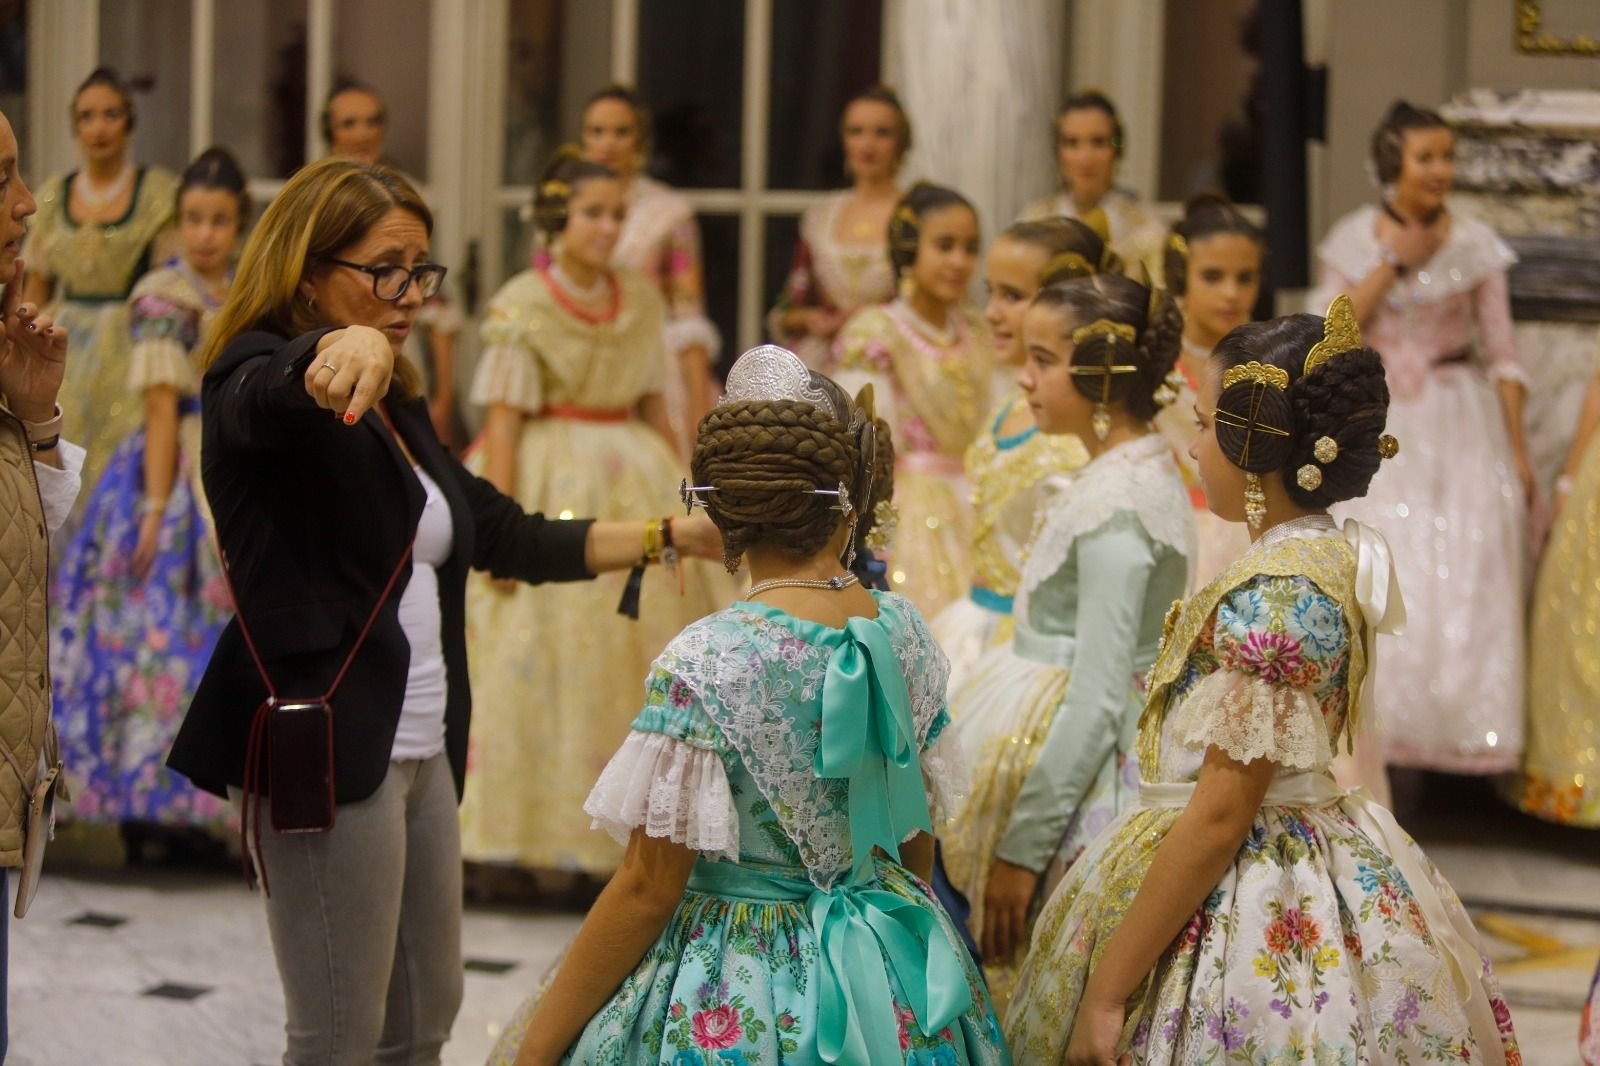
<point x="126" y="654"/>
<point x="737" y="981"/>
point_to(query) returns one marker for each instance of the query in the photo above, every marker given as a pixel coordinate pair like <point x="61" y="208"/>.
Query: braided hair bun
<point x="1119" y="323"/>
<point x="559" y="182"/>
<point x="1273" y="415"/>
<point x="762" y="457"/>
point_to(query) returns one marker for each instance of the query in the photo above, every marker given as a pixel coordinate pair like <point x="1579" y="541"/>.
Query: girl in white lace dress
<point x="1048" y="718"/>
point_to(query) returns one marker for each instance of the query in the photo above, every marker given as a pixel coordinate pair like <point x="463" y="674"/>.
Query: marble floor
<point x="173" y="967"/>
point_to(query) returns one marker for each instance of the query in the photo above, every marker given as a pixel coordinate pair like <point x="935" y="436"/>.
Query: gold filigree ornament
<point x="1065" y="267"/>
<point x="1113" y="332"/>
<point x="885" y="520"/>
<point x="1309" y="477"/>
<point x="1340" y="333"/>
<point x="1168" y="393"/>
<point x="1274" y="377"/>
<point x="1326" y="450"/>
<point x="1255" y="501"/>
<point x="1178" y="244"/>
<point x="1388" y="446"/>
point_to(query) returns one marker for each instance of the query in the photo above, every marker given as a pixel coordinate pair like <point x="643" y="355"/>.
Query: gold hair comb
<point x="1340" y="334"/>
<point x="555" y="187"/>
<point x="1178" y="244"/>
<point x="1271" y="376"/>
<point x="1104" y="327"/>
<point x="1064" y="262"/>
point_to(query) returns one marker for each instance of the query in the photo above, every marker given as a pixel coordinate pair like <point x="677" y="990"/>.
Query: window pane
<point x="259" y="96"/>
<point x="557" y="54"/>
<point x="14" y="79"/>
<point x="823" y="52"/>
<point x="385" y="44"/>
<point x="719" y="238"/>
<point x="691" y="74"/>
<point x="147" y="43"/>
<point x="782" y="233"/>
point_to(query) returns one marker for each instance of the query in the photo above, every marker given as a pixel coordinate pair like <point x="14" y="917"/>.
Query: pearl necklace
<point x="1191" y="348"/>
<point x="831" y="584"/>
<point x="940" y="338"/>
<point x="588" y="295"/>
<point x="99" y="197"/>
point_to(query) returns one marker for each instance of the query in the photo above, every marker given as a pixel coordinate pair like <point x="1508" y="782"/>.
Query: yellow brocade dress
<point x="1329" y="937"/>
<point x="95" y="268"/>
<point x="934" y="396"/>
<point x="555" y="669"/>
<point x="1013" y="479"/>
<point x="1561" y="767"/>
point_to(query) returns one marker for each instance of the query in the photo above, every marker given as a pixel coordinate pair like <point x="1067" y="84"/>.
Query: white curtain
<point x="981" y="80"/>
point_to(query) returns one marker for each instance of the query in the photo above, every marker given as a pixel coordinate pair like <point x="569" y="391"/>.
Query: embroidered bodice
<point x="168" y="309"/>
<point x="1011" y="477"/>
<point x="732" y="733"/>
<point x="99" y="262"/>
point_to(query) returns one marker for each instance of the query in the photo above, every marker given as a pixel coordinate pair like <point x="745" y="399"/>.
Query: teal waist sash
<point x="990" y="600"/>
<point x="859" y="928"/>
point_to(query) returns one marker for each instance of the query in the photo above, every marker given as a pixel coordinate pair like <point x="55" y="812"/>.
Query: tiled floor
<point x="185" y="978"/>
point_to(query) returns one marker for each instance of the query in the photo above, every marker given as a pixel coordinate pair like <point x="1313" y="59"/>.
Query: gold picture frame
<point x="1532" y="39"/>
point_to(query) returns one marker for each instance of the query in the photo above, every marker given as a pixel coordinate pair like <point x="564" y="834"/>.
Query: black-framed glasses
<point x="390" y="281"/>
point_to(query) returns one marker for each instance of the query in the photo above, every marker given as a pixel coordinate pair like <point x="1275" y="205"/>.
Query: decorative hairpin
<point x="1171" y="388"/>
<point x="1340" y="333"/>
<point x="1104" y="327"/>
<point x="1065" y="266"/>
<point x="1178" y="244"/>
<point x="689" y="494"/>
<point x="1271" y="376"/>
<point x="842" y="504"/>
<point x="1388" y="446"/>
<point x="885" y="521"/>
<point x="555" y="187"/>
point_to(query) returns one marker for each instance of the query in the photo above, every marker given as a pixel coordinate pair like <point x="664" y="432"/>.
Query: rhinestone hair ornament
<point x="769" y="373"/>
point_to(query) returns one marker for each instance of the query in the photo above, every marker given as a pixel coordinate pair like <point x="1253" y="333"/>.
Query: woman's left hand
<point x="698" y="537"/>
<point x="1096" y="1033"/>
<point x="1006" y="899"/>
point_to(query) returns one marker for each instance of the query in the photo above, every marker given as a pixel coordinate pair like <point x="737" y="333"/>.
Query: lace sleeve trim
<point x="671" y="789"/>
<point x="1249" y="719"/>
<point x="161" y="361"/>
<point x="692" y="331"/>
<point x="944" y="775"/>
<point x="508" y="375"/>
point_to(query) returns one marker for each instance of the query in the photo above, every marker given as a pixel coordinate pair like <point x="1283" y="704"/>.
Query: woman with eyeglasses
<point x="573" y="379"/>
<point x="347" y="532"/>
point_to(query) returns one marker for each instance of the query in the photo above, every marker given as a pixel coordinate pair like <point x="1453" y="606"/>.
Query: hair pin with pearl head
<point x="692" y="496"/>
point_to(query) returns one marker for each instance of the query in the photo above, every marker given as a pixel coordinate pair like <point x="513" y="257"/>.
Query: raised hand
<point x="351" y="371"/>
<point x="33" y="354"/>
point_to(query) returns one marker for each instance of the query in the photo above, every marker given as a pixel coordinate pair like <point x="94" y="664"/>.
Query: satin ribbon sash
<point x="1449" y="927"/>
<point x="990" y="600"/>
<point x="859" y="929"/>
<point x="570" y="412"/>
<point x="1382" y="605"/>
<point x="869" y="738"/>
<point x="931" y="463"/>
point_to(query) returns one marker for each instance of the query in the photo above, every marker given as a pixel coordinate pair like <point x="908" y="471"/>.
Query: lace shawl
<point x="1140" y="477"/>
<point x="1469" y="254"/>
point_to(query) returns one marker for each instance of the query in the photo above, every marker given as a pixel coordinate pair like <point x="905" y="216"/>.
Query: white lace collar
<point x="1140" y="477"/>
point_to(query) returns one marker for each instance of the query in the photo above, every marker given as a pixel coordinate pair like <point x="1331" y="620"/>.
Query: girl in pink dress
<point x="1429" y="288"/>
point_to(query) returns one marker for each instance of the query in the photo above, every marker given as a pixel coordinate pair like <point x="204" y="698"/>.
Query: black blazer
<point x="313" y="515"/>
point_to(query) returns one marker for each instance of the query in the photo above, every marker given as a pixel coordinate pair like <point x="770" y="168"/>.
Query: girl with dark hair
<point x="1247" y="907"/>
<point x="1012" y="467"/>
<point x="775" y="792"/>
<point x="572" y="376"/>
<point x="660" y="240"/>
<point x="930" y="359"/>
<point x="1429" y="286"/>
<point x="1089" y="142"/>
<point x="139" y="596"/>
<point x="1212" y="264"/>
<point x="841" y="261"/>
<point x="94" y="236"/>
<point x="1046" y="720"/>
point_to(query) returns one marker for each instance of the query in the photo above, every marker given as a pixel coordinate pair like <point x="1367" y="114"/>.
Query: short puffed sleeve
<point x="163" y="331"/>
<point x="508" y="371"/>
<point x="1282" y="658"/>
<point x="670" y="775"/>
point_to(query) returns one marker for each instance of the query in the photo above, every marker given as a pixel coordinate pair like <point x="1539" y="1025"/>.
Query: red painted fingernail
<point x="349" y="419"/>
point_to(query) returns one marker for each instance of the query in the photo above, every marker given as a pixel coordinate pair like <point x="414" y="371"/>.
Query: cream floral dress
<point x="1330" y="938"/>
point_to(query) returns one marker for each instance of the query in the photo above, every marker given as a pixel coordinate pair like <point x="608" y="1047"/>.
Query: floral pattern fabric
<point x="126" y="654"/>
<point x="1312" y="947"/>
<point x="736" y="980"/>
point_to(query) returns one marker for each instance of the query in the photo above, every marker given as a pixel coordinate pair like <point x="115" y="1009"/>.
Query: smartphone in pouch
<point x="300" y="766"/>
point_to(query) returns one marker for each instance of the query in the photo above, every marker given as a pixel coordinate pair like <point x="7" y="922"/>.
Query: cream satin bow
<point x="1377" y="584"/>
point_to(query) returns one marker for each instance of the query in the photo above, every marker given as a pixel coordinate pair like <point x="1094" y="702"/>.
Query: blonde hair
<point x="325" y="208"/>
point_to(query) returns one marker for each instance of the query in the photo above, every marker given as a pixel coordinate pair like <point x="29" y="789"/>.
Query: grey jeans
<point x="366" y="924"/>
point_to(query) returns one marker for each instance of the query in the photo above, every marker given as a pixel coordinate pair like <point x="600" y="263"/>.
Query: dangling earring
<point x="850" y="544"/>
<point x="908" y="286"/>
<point x="1101" y="422"/>
<point x="1255" y="502"/>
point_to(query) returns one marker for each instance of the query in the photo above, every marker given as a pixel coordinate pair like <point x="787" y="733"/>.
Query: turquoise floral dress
<point x="1330" y="938"/>
<point x="795" y="758"/>
<point x="126" y="654"/>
